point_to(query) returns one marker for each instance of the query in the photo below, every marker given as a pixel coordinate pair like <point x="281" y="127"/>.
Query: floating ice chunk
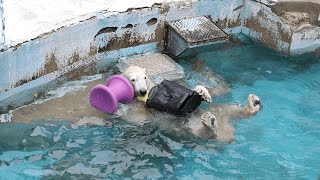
<point x="268" y="71"/>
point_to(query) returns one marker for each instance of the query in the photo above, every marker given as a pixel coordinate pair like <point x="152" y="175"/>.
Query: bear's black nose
<point x="143" y="92"/>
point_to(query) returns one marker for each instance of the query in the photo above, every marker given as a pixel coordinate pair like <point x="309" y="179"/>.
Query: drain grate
<point x="196" y="31"/>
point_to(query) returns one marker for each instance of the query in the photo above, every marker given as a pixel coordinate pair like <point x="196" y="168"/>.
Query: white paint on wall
<point x="27" y="19"/>
<point x="2" y="37"/>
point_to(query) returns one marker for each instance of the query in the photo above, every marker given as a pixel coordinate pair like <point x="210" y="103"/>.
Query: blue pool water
<point x="280" y="142"/>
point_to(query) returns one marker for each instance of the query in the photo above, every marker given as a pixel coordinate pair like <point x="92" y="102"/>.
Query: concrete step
<point x="159" y="67"/>
<point x="193" y="32"/>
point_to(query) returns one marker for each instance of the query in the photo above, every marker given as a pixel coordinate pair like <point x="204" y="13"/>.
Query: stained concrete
<point x="296" y="19"/>
<point x="288" y="27"/>
<point x="303" y="6"/>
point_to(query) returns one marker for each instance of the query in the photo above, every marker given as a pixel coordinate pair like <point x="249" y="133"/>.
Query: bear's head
<point x="138" y="78"/>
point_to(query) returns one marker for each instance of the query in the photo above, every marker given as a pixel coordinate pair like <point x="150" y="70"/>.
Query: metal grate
<point x="198" y="29"/>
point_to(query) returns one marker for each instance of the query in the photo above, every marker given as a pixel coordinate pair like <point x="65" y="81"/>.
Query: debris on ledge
<point x="296" y="19"/>
<point x="305" y="37"/>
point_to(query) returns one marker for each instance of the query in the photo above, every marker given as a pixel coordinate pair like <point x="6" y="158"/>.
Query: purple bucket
<point x="107" y="98"/>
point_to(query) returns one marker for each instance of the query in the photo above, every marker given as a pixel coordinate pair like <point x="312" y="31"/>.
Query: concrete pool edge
<point x="101" y="40"/>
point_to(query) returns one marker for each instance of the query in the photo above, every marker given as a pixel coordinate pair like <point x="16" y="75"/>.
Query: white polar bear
<point x="213" y="123"/>
<point x="142" y="84"/>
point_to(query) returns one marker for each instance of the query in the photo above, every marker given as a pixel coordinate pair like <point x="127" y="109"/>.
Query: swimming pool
<point x="280" y="142"/>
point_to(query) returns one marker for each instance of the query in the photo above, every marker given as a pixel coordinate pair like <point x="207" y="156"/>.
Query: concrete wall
<point x="303" y="17"/>
<point x="263" y="25"/>
<point x="97" y="42"/>
<point x="268" y="23"/>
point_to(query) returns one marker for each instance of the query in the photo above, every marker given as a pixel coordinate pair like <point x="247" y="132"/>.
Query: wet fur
<point x="136" y="112"/>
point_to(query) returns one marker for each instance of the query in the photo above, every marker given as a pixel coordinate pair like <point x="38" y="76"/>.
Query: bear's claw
<point x="209" y="120"/>
<point x="203" y="92"/>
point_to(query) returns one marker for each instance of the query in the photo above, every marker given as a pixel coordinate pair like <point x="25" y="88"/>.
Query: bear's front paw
<point x="209" y="121"/>
<point x="204" y="93"/>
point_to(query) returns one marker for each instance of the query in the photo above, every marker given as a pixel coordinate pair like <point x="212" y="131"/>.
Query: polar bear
<point x="216" y="119"/>
<point x="142" y="84"/>
<point x="213" y="123"/>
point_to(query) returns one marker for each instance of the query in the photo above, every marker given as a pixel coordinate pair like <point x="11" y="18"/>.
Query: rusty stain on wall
<point x="51" y="64"/>
<point x="82" y="71"/>
<point x="93" y="49"/>
<point x="75" y="57"/>
<point x="225" y="23"/>
<point x="129" y="39"/>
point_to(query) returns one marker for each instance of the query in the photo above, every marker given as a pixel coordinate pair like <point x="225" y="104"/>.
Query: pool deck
<point x="73" y="106"/>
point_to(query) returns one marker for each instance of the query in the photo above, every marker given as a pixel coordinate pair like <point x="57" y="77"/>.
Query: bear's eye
<point x="145" y="77"/>
<point x="132" y="80"/>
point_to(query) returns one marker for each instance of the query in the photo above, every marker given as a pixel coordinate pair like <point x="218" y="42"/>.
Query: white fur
<point x="199" y="122"/>
<point x="202" y="91"/>
<point x="138" y="78"/>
